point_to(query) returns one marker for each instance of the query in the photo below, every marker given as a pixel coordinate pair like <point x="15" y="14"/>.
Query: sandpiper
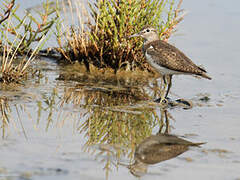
<point x="166" y="59"/>
<point x="157" y="148"/>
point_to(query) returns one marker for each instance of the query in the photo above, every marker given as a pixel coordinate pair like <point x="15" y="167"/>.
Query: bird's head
<point x="148" y="33"/>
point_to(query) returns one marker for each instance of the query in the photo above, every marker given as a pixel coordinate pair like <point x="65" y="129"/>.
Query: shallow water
<point x="57" y="127"/>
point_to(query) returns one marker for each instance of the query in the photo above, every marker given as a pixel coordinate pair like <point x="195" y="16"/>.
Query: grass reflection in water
<point x="118" y="118"/>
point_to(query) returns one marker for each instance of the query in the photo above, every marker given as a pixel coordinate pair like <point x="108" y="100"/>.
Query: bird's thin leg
<point x="166" y="122"/>
<point x="164" y="89"/>
<point x="169" y="85"/>
<point x="161" y="121"/>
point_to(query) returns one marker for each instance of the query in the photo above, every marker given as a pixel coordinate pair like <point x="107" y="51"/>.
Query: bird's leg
<point x="166" y="122"/>
<point x="169" y="85"/>
<point x="161" y="121"/>
<point x="164" y="114"/>
<point x="164" y="89"/>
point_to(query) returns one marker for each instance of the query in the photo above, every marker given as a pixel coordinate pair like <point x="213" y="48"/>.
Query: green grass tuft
<point x="101" y="39"/>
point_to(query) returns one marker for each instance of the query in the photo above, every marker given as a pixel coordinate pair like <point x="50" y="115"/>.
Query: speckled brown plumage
<point x="170" y="57"/>
<point x="166" y="59"/>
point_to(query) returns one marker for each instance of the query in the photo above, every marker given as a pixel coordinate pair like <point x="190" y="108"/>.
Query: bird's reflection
<point x="152" y="149"/>
<point x="155" y="149"/>
<point x="119" y="122"/>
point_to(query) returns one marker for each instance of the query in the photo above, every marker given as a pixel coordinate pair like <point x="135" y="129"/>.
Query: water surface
<point x="57" y="127"/>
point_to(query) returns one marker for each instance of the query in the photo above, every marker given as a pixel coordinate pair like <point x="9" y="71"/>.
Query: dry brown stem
<point x="8" y="11"/>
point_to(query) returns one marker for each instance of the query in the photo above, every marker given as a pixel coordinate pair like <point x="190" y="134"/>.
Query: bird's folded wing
<point x="170" y="57"/>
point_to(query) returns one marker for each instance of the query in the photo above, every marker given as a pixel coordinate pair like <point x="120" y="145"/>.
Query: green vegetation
<point x="18" y="35"/>
<point x="21" y="33"/>
<point x="116" y="115"/>
<point x="111" y="111"/>
<point x="100" y="40"/>
<point x="102" y="37"/>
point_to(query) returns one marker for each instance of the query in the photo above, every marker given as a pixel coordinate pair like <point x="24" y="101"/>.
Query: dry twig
<point x="7" y="12"/>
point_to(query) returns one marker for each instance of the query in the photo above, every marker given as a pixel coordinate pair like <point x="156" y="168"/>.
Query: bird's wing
<point x="170" y="57"/>
<point x="164" y="139"/>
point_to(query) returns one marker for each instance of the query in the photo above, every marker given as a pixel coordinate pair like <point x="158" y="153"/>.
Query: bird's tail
<point x="198" y="144"/>
<point x="206" y="76"/>
<point x="204" y="73"/>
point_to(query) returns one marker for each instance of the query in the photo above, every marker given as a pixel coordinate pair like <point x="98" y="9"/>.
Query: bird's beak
<point x="134" y="35"/>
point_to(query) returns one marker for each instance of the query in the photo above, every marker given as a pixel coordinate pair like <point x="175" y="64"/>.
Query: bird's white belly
<point x="162" y="70"/>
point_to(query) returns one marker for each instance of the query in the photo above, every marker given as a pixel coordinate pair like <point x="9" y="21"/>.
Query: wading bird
<point x="166" y="59"/>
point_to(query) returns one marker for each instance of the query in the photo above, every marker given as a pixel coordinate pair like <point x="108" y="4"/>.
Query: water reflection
<point x="4" y="114"/>
<point x="113" y="115"/>
<point x="120" y="122"/>
<point x="117" y="119"/>
<point x="155" y="149"/>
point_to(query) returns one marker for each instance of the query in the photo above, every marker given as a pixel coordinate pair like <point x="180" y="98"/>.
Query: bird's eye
<point x="148" y="30"/>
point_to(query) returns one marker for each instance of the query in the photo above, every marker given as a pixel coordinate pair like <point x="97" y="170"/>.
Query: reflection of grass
<point x="47" y="104"/>
<point x="46" y="108"/>
<point x="115" y="117"/>
<point x="4" y="115"/>
<point x="101" y="38"/>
